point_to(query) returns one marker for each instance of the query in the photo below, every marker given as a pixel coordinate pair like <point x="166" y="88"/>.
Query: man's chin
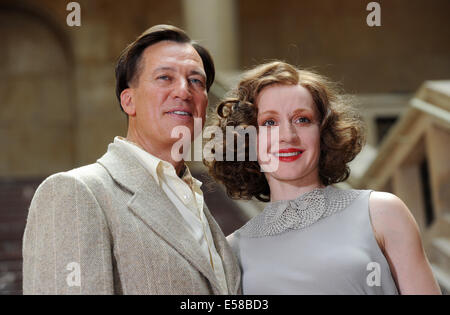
<point x="185" y="119"/>
<point x="193" y="124"/>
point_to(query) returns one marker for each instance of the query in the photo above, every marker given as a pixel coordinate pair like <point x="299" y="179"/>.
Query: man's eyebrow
<point x="198" y="72"/>
<point x="166" y="68"/>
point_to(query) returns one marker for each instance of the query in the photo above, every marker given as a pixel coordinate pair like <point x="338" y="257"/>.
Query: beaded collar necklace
<point x="285" y="215"/>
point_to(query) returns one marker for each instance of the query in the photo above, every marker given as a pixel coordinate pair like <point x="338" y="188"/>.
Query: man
<point x="135" y="222"/>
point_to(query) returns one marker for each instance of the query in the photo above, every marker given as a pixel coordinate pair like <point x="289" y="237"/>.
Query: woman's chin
<point x="306" y="177"/>
<point x="285" y="176"/>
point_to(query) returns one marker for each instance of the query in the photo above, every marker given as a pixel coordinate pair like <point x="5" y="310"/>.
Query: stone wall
<point x="409" y="47"/>
<point x="57" y="82"/>
<point x="57" y="95"/>
<point x="58" y="107"/>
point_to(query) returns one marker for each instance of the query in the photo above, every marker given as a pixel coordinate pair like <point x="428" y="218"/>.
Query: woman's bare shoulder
<point x="391" y="218"/>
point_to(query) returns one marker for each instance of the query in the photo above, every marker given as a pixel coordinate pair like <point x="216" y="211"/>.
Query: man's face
<point x="170" y="91"/>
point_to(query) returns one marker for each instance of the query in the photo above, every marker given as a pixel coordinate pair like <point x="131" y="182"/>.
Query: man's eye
<point x="269" y="122"/>
<point x="164" y="77"/>
<point x="196" y="81"/>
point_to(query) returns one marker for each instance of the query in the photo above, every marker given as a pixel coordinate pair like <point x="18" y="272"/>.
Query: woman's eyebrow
<point x="304" y="110"/>
<point x="269" y="112"/>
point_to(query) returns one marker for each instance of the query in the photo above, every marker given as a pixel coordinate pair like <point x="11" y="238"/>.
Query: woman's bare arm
<point x="398" y="235"/>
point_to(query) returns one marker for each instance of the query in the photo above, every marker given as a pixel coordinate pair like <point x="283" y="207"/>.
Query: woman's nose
<point x="288" y="134"/>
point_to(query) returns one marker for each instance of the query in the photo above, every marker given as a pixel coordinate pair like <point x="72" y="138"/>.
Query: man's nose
<point x="182" y="89"/>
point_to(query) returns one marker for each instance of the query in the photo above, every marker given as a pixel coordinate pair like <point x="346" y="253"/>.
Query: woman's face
<point x="292" y="109"/>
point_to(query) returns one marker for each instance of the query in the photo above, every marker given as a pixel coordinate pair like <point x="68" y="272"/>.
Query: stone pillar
<point x="438" y="153"/>
<point x="213" y="23"/>
<point x="406" y="182"/>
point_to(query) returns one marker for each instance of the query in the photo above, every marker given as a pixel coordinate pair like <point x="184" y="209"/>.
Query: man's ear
<point x="127" y="102"/>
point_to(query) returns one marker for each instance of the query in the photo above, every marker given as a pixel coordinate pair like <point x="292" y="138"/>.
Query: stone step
<point x="10" y="283"/>
<point x="10" y="255"/>
<point x="446" y="218"/>
<point x="10" y="251"/>
<point x="443" y="278"/>
<point x="11" y="266"/>
<point x="12" y="230"/>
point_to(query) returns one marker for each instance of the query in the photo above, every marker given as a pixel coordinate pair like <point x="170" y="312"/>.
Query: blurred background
<point x="58" y="107"/>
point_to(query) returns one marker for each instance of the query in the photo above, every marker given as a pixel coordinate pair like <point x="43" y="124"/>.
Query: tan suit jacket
<point x="108" y="228"/>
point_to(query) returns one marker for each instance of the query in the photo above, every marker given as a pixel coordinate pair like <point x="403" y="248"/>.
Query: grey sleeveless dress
<point x="320" y="243"/>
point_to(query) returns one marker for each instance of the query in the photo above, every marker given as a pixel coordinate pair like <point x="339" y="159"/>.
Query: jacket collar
<point x="153" y="207"/>
<point x="229" y="261"/>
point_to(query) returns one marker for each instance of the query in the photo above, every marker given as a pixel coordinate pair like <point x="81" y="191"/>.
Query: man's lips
<point x="288" y="155"/>
<point x="180" y="113"/>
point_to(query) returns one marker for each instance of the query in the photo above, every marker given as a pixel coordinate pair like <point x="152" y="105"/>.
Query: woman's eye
<point x="164" y="77"/>
<point x="303" y="120"/>
<point x="269" y="122"/>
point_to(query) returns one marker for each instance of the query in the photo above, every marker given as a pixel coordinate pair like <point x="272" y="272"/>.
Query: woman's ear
<point x="127" y="102"/>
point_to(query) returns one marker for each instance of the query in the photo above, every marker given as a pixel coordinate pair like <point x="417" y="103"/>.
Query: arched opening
<point x="36" y="125"/>
<point x="36" y="116"/>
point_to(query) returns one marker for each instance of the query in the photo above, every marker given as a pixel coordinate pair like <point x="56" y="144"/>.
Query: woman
<point x="313" y="238"/>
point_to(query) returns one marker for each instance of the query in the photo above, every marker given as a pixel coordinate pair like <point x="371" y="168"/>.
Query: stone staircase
<point x="439" y="255"/>
<point x="15" y="197"/>
<point x="412" y="163"/>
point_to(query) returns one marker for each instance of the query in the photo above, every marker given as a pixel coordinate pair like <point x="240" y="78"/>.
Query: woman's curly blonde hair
<point x="341" y="128"/>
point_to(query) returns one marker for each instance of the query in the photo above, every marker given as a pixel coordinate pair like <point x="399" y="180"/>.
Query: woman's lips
<point x="289" y="155"/>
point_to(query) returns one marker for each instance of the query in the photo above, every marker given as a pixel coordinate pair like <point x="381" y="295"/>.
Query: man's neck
<point x="160" y="151"/>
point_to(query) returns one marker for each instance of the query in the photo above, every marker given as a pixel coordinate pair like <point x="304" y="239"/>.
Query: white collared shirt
<point x="186" y="195"/>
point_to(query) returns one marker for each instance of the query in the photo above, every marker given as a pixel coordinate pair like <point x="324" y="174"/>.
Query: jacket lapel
<point x="153" y="207"/>
<point x="230" y="263"/>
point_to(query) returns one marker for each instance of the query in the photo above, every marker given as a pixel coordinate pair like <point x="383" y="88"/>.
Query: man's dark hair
<point x="127" y="68"/>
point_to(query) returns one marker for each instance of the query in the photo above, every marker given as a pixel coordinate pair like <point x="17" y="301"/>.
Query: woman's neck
<point x="289" y="190"/>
